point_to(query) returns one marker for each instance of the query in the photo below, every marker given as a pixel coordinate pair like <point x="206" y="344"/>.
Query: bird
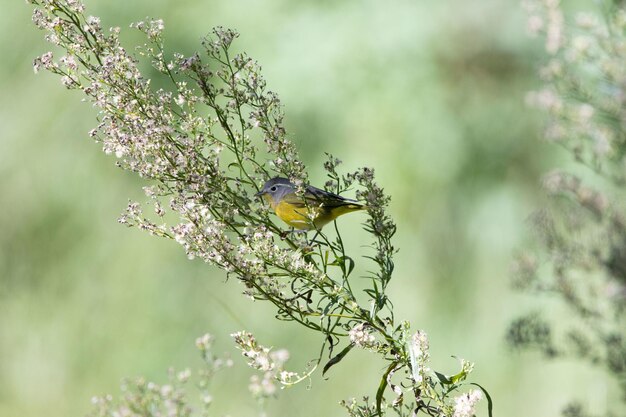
<point x="305" y="212"/>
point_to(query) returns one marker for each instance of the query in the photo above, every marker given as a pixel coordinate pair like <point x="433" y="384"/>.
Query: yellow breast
<point x="296" y="217"/>
<point x="300" y="217"/>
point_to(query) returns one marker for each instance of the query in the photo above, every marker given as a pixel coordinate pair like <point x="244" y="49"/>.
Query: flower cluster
<point x="465" y="404"/>
<point x="547" y="17"/>
<point x="360" y="336"/>
<point x="365" y="408"/>
<point x="142" y="397"/>
<point x="584" y="83"/>
<point x="270" y="363"/>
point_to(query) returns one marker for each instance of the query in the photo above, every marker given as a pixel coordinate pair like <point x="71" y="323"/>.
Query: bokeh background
<point x="429" y="93"/>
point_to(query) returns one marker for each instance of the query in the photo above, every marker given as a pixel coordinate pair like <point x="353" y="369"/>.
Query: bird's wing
<point x="318" y="197"/>
<point x="315" y="197"/>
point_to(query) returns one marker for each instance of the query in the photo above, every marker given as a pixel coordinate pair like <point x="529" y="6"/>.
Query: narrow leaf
<point x="381" y="387"/>
<point x="489" y="401"/>
<point x="350" y="265"/>
<point x="337" y="358"/>
<point x="443" y="379"/>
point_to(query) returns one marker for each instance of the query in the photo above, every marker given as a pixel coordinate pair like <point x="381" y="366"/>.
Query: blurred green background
<point x="428" y="93"/>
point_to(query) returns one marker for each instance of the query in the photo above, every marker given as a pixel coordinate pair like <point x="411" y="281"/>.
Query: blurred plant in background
<point x="581" y="253"/>
<point x="199" y="143"/>
<point x="145" y="398"/>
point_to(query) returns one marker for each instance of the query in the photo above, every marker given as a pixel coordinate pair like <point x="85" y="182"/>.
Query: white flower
<point x="465" y="404"/>
<point x="287" y="377"/>
<point x="166" y="390"/>
<point x="69" y="62"/>
<point x="361" y="337"/>
<point x="280" y="356"/>
<point x="183" y="376"/>
<point x="68" y="82"/>
<point x="93" y="20"/>
<point x="554" y="28"/>
<point x="45" y="61"/>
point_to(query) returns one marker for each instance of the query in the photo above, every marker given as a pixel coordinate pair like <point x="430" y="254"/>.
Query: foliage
<point x="582" y="235"/>
<point x="146" y="398"/>
<point x="206" y="145"/>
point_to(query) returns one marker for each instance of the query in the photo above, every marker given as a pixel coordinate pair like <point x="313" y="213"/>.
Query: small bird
<point x="311" y="211"/>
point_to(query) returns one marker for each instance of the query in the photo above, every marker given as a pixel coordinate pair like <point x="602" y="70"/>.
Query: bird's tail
<point x="349" y="208"/>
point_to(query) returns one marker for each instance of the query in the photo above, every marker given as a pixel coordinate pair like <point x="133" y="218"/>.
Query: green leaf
<point x="341" y="262"/>
<point x="489" y="400"/>
<point x="443" y="379"/>
<point x="370" y="292"/>
<point x="337" y="358"/>
<point x="381" y="387"/>
<point x="350" y="265"/>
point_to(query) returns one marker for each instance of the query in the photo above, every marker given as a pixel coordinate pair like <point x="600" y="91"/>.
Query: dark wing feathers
<point x="320" y="197"/>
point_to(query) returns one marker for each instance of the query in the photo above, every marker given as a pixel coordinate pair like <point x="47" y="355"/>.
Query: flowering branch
<point x="582" y="235"/>
<point x="583" y="83"/>
<point x="206" y="145"/>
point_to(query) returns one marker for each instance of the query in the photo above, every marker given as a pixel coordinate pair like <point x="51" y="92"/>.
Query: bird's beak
<point x="259" y="194"/>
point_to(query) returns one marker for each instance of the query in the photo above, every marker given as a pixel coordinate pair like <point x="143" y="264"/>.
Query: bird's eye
<point x="273" y="189"/>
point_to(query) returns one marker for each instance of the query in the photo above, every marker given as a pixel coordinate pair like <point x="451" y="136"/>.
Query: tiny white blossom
<point x="184" y="376"/>
<point x="166" y="390"/>
<point x="93" y="20"/>
<point x="360" y="336"/>
<point x="465" y="404"/>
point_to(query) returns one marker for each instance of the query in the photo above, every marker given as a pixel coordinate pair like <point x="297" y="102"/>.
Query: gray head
<point x="275" y="189"/>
